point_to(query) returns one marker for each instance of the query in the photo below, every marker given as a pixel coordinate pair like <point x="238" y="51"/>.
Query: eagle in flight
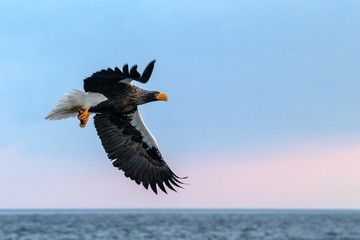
<point x="110" y="95"/>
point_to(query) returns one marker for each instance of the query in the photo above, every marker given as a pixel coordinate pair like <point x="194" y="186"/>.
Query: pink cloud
<point x="293" y="177"/>
<point x="302" y="177"/>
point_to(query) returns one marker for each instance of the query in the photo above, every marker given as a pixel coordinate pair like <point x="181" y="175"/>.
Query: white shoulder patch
<point x="92" y="99"/>
<point x="127" y="81"/>
<point x="138" y="123"/>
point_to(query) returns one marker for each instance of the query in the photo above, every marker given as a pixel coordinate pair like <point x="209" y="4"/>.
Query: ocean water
<point x="179" y="224"/>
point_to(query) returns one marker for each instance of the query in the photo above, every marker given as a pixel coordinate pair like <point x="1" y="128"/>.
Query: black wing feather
<point x="134" y="74"/>
<point x="132" y="154"/>
<point x="147" y="72"/>
<point x="126" y="71"/>
<point x="105" y="80"/>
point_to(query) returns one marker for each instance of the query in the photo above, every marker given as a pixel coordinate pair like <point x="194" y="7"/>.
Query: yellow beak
<point x="161" y="96"/>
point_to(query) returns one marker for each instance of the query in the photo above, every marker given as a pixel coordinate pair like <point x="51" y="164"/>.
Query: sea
<point x="179" y="224"/>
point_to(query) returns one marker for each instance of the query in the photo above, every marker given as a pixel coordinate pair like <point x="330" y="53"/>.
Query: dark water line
<point x="176" y="210"/>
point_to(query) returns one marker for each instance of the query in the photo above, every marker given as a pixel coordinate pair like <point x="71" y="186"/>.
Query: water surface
<point x="179" y="224"/>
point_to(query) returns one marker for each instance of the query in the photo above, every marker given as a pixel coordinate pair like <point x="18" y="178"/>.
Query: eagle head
<point x="156" y="96"/>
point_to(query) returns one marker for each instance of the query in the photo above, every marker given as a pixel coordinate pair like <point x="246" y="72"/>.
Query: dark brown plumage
<point x="110" y="95"/>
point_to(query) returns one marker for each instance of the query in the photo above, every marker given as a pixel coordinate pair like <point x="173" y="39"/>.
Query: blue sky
<point x="247" y="82"/>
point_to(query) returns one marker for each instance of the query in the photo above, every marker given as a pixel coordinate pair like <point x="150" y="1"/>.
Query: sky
<point x="262" y="111"/>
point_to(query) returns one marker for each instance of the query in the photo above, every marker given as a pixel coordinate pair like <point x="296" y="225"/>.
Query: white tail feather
<point x="69" y="104"/>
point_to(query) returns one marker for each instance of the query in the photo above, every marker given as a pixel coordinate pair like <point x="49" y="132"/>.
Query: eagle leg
<point x="83" y="116"/>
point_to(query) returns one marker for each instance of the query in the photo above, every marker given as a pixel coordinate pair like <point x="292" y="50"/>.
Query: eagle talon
<point x="83" y="116"/>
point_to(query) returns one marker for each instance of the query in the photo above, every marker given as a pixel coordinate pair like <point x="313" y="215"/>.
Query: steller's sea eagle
<point x="110" y="95"/>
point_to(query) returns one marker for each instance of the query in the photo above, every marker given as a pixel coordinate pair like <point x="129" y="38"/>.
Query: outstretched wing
<point x="105" y="80"/>
<point x="134" y="150"/>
